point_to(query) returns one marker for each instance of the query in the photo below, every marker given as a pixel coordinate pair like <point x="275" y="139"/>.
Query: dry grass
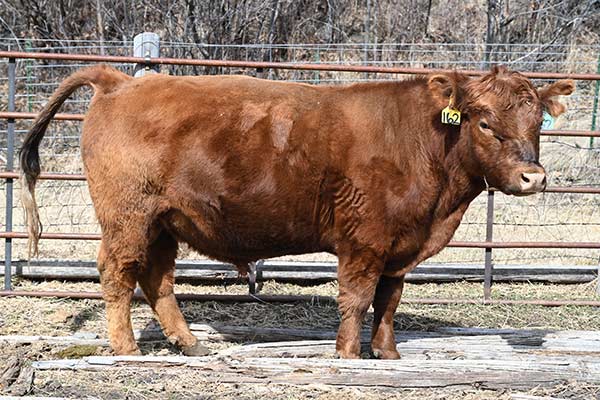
<point x="63" y="316"/>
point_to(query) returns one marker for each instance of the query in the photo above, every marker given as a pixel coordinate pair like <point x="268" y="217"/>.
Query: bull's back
<point x="236" y="162"/>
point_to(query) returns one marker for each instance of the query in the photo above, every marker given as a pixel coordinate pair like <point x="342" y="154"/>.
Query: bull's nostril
<point x="532" y="182"/>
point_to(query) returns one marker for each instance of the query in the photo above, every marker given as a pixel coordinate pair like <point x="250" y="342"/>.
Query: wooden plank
<point x="428" y="349"/>
<point x="530" y="345"/>
<point x="492" y="374"/>
<point x="217" y="332"/>
<point x="59" y="340"/>
<point x="524" y="336"/>
<point x="457" y="357"/>
<point x="444" y="343"/>
<point x="472" y="342"/>
<point x="214" y="333"/>
<point x="319" y="271"/>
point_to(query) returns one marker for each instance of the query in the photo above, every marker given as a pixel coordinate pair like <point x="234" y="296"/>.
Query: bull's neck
<point x="461" y="187"/>
<point x="457" y="189"/>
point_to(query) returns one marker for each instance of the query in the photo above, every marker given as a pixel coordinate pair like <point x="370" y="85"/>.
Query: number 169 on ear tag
<point x="450" y="116"/>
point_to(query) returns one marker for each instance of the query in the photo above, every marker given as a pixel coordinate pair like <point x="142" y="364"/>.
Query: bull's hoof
<point x="347" y="355"/>
<point x="128" y="352"/>
<point x="196" y="350"/>
<point x="386" y="354"/>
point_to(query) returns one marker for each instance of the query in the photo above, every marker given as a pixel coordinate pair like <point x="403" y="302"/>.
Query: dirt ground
<point x="60" y="317"/>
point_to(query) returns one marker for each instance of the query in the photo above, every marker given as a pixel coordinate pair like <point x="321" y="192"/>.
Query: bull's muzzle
<point x="532" y="182"/>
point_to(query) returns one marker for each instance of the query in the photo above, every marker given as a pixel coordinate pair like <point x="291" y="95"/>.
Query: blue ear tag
<point x="548" y="122"/>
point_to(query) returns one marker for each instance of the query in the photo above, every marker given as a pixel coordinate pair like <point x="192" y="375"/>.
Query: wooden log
<point x="146" y="335"/>
<point x="214" y="333"/>
<point x="217" y="332"/>
<point x="522" y="337"/>
<point x="447" y="343"/>
<point x="58" y="340"/>
<point x="492" y="374"/>
<point x="458" y="357"/>
<point x="523" y="345"/>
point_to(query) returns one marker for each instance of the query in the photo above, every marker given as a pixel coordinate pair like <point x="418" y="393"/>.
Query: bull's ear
<point x="441" y="87"/>
<point x="498" y="69"/>
<point x="559" y="88"/>
<point x="444" y="87"/>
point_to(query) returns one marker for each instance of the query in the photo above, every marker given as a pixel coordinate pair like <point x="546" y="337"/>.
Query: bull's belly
<point x="241" y="241"/>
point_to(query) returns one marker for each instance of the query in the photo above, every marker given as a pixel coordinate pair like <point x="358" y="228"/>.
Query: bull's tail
<point x="103" y="79"/>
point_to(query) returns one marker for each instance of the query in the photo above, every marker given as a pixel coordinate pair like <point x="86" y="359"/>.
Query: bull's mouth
<point x="524" y="194"/>
<point x="513" y="191"/>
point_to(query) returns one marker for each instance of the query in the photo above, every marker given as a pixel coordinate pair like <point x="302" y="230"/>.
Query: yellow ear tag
<point x="450" y="115"/>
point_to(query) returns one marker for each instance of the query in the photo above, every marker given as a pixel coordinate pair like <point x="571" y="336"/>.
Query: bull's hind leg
<point x="358" y="274"/>
<point x="387" y="297"/>
<point x="156" y="280"/>
<point x="117" y="277"/>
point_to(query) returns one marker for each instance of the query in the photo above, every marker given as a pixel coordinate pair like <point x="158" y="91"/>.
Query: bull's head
<point x="502" y="113"/>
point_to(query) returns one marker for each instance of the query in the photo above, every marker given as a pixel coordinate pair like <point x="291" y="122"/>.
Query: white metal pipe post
<point x="147" y="45"/>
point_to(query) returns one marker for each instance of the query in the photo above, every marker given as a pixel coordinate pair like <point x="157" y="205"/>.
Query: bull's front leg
<point x="387" y="297"/>
<point x="358" y="274"/>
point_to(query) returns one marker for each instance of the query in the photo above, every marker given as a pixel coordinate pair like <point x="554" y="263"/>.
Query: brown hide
<point x="242" y="168"/>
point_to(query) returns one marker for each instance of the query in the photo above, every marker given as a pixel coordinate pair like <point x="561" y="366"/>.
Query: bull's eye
<point x="485" y="128"/>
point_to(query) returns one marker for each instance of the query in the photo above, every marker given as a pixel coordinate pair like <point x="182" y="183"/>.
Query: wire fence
<point x="65" y="206"/>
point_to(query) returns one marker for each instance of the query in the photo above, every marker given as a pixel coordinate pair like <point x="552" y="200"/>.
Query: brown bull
<point x="242" y="169"/>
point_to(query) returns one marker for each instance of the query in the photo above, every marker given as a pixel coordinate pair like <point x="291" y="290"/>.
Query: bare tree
<point x="231" y="22"/>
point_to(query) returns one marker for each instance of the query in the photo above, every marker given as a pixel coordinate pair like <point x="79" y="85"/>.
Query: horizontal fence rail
<point x="315" y="272"/>
<point x="11" y="116"/>
<point x="275" y="65"/>
<point x="461" y="244"/>
<point x="258" y="298"/>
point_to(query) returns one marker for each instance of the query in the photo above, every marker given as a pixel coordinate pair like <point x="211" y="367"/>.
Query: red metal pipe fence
<point x="9" y="175"/>
<point x="274" y="65"/>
